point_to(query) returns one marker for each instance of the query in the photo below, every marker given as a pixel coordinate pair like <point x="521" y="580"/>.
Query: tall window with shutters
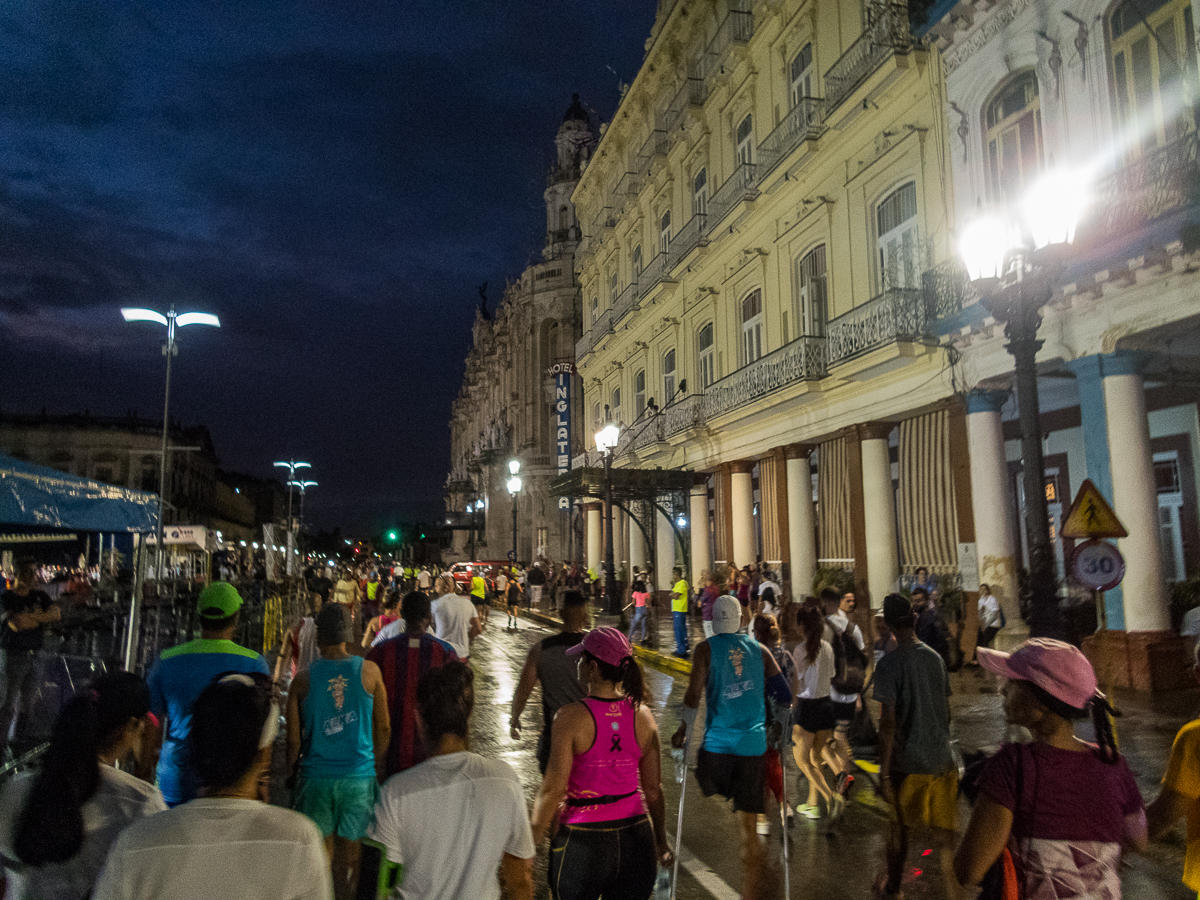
<point x="896" y="227"/>
<point x="1014" y="138"/>
<point x="802" y="74"/>
<point x="613" y="290"/>
<point x="668" y="377"/>
<point x="637" y="260"/>
<point x="745" y="141"/>
<point x="615" y="411"/>
<point x="704" y="352"/>
<point x="811" y="290"/>
<point x="595" y="310"/>
<point x="700" y="192"/>
<point x="664" y="231"/>
<point x="752" y="327"/>
<point x="639" y="393"/>
<point x="1153" y="57"/>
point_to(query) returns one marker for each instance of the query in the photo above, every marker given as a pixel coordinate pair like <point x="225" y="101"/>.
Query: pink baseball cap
<point x="606" y="644"/>
<point x="1058" y="668"/>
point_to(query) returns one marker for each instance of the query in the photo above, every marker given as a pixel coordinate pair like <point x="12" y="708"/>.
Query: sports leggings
<point x="610" y="860"/>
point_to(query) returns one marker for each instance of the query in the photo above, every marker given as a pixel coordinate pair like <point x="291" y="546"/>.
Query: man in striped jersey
<point x="403" y="660"/>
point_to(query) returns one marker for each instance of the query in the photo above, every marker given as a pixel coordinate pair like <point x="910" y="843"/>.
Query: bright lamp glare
<point x="514" y="466"/>
<point x="982" y="247"/>
<point x="607" y="437"/>
<point x="1053" y="206"/>
<point x="143" y="315"/>
<point x="514" y="484"/>
<point x="197" y="318"/>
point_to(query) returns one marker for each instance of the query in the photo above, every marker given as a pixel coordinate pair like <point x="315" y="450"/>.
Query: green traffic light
<point x="391" y="536"/>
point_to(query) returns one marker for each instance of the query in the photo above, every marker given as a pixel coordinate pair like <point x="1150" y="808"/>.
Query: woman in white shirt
<point x="814" y="716"/>
<point x="56" y="825"/>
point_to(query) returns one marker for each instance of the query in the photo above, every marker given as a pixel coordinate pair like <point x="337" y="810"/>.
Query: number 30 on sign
<point x="1097" y="565"/>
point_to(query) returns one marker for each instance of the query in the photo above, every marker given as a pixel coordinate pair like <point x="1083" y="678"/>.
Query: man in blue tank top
<point x="337" y="735"/>
<point x="733" y="670"/>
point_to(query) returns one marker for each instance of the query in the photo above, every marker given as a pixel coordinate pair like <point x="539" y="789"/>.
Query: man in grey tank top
<point x="549" y="665"/>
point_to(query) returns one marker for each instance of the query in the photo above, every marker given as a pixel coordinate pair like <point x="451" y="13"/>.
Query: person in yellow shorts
<point x="917" y="769"/>
<point x="479" y="598"/>
<point x="1180" y="795"/>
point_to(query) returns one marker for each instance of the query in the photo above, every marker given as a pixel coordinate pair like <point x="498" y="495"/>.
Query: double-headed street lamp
<point x="606" y="441"/>
<point x="1014" y="262"/>
<point x="291" y="465"/>
<point x="514" y="488"/>
<point x="172" y="321"/>
<point x="303" y="487"/>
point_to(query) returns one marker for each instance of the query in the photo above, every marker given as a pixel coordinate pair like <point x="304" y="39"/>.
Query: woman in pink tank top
<point x="604" y="782"/>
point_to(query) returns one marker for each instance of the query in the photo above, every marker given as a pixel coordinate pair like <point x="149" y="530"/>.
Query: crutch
<point x="784" y="736"/>
<point x="680" y="757"/>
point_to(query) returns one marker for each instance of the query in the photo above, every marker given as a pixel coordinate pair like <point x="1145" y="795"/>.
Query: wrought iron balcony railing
<point x="805" y="121"/>
<point x="887" y="31"/>
<point x="691" y="235"/>
<point x="739" y="186"/>
<point x="652" y="273"/>
<point x="628" y="186"/>
<point x="691" y="95"/>
<point x="804" y="359"/>
<point x="626" y="302"/>
<point x="898" y="314"/>
<point x="947" y="288"/>
<point x="682" y="415"/>
<point x="649" y="433"/>
<point x="736" y="30"/>
<point x="605" y="218"/>
<point x="1159" y="182"/>
<point x="654" y="148"/>
<point x="602" y="326"/>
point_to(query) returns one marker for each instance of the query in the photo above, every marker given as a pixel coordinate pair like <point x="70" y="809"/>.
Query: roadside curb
<point x="653" y="657"/>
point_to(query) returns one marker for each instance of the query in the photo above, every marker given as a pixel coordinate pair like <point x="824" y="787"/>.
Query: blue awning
<point x="37" y="495"/>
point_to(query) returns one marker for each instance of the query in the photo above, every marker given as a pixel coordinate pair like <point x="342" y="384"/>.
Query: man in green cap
<point x="181" y="675"/>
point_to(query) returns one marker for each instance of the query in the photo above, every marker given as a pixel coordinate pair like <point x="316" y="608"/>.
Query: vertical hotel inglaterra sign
<point x="562" y="372"/>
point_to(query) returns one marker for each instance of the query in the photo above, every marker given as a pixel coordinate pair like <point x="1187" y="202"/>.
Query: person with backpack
<point x="849" y="678"/>
<point x="813" y="715"/>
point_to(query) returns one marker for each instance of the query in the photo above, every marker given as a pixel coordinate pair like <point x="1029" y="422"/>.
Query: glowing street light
<point x="607" y="439"/>
<point x="303" y="486"/>
<point x="514" y="488"/>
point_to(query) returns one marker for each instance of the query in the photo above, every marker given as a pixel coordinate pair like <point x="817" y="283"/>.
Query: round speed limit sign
<point x="1097" y="565"/>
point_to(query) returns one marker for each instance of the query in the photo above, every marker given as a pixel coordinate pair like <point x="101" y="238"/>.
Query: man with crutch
<point x="733" y="670"/>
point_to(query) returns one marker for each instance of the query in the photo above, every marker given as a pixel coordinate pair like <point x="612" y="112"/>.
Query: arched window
<point x="668" y="368"/>
<point x="811" y="289"/>
<point x="639" y="393"/>
<point x="802" y="74"/>
<point x="1146" y="62"/>
<point x="637" y="260"/>
<point x="704" y="350"/>
<point x="1013" y="123"/>
<point x="896" y="228"/>
<point x="752" y="327"/>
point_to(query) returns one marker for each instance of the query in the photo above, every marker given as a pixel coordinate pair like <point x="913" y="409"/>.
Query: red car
<point x="463" y="572"/>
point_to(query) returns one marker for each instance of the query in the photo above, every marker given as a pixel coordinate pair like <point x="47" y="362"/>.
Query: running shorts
<point x="741" y="779"/>
<point x="930" y="800"/>
<point x="341" y="806"/>
<point x="815" y="715"/>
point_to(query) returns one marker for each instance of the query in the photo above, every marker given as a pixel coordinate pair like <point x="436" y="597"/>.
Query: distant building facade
<point x="506" y="407"/>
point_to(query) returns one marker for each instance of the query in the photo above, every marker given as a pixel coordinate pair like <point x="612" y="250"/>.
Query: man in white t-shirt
<point x="455" y="618"/>
<point x="456" y="799"/>
<point x="423" y="580"/>
<point x="840" y="756"/>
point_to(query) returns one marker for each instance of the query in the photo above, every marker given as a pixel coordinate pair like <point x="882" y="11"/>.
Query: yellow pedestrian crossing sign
<point x="1090" y="516"/>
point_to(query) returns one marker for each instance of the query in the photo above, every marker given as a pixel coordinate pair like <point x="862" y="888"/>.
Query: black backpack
<point x="849" y="662"/>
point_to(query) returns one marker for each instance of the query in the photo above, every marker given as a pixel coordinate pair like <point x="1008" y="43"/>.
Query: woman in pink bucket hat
<point x="1063" y="808"/>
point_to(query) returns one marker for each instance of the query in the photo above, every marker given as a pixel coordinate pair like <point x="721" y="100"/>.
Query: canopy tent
<point x="46" y="498"/>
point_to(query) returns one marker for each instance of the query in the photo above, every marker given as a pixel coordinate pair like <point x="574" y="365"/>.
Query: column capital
<point x="593" y="506"/>
<point x="1103" y="365"/>
<point x="742" y="466"/>
<point x="985" y="401"/>
<point x="875" y="431"/>
<point x="798" y="451"/>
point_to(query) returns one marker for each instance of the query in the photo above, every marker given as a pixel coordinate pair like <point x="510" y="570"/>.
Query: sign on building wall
<point x="562" y="373"/>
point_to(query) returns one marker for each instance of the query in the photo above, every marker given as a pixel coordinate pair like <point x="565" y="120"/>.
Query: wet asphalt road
<point x="838" y="864"/>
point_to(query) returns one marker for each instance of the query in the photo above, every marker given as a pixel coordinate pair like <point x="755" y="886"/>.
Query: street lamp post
<point x="514" y="488"/>
<point x="291" y="465"/>
<point x="172" y="321"/>
<point x="1014" y="265"/>
<point x="303" y="486"/>
<point x="606" y="440"/>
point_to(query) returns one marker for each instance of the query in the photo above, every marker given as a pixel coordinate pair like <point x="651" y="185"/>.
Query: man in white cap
<point x="732" y="670"/>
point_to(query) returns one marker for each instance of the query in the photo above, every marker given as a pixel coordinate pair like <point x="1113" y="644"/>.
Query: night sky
<point x="332" y="179"/>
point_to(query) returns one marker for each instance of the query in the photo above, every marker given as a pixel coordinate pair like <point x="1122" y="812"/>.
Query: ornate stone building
<point x="506" y="407"/>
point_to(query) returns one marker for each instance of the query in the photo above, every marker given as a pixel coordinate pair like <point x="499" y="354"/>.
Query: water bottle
<point x="662" y="885"/>
<point x="680" y="764"/>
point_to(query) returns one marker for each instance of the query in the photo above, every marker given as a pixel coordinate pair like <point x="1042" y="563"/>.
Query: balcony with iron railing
<point x="626" y="302"/>
<point x="690" y="97"/>
<point x="606" y="218"/>
<point x="652" y="273"/>
<point x="734" y="32"/>
<point x="1154" y="185"/>
<point x="948" y="290"/>
<point x="886" y="33"/>
<point x="649" y="433"/>
<point x="682" y="415"/>
<point x="593" y="335"/>
<point x="628" y="186"/>
<point x="804" y="359"/>
<point x="896" y="315"/>
<point x="692" y="235"/>
<point x="655" y="147"/>
<point x="805" y="122"/>
<point x="739" y="186"/>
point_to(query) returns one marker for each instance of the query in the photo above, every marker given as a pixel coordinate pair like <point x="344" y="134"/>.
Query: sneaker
<point x="845" y="784"/>
<point x="791" y="816"/>
<point x="809" y="812"/>
<point x="762" y="826"/>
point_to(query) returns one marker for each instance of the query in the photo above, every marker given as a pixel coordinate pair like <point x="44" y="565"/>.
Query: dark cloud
<point x="333" y="179"/>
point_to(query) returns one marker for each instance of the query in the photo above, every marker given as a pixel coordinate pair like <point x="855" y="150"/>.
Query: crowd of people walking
<point x="160" y="787"/>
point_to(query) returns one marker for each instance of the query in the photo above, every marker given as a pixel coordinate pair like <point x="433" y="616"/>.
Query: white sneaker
<point x="762" y="826"/>
<point x="808" y="811"/>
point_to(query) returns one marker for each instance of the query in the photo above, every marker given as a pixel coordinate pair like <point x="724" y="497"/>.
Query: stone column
<point x="992" y="510"/>
<point x="1135" y="498"/>
<point x="742" y="491"/>
<point x="879" y="512"/>
<point x="664" y="552"/>
<point x="594" y="537"/>
<point x="698" y="523"/>
<point x="802" y="529"/>
<point x="637" y="543"/>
